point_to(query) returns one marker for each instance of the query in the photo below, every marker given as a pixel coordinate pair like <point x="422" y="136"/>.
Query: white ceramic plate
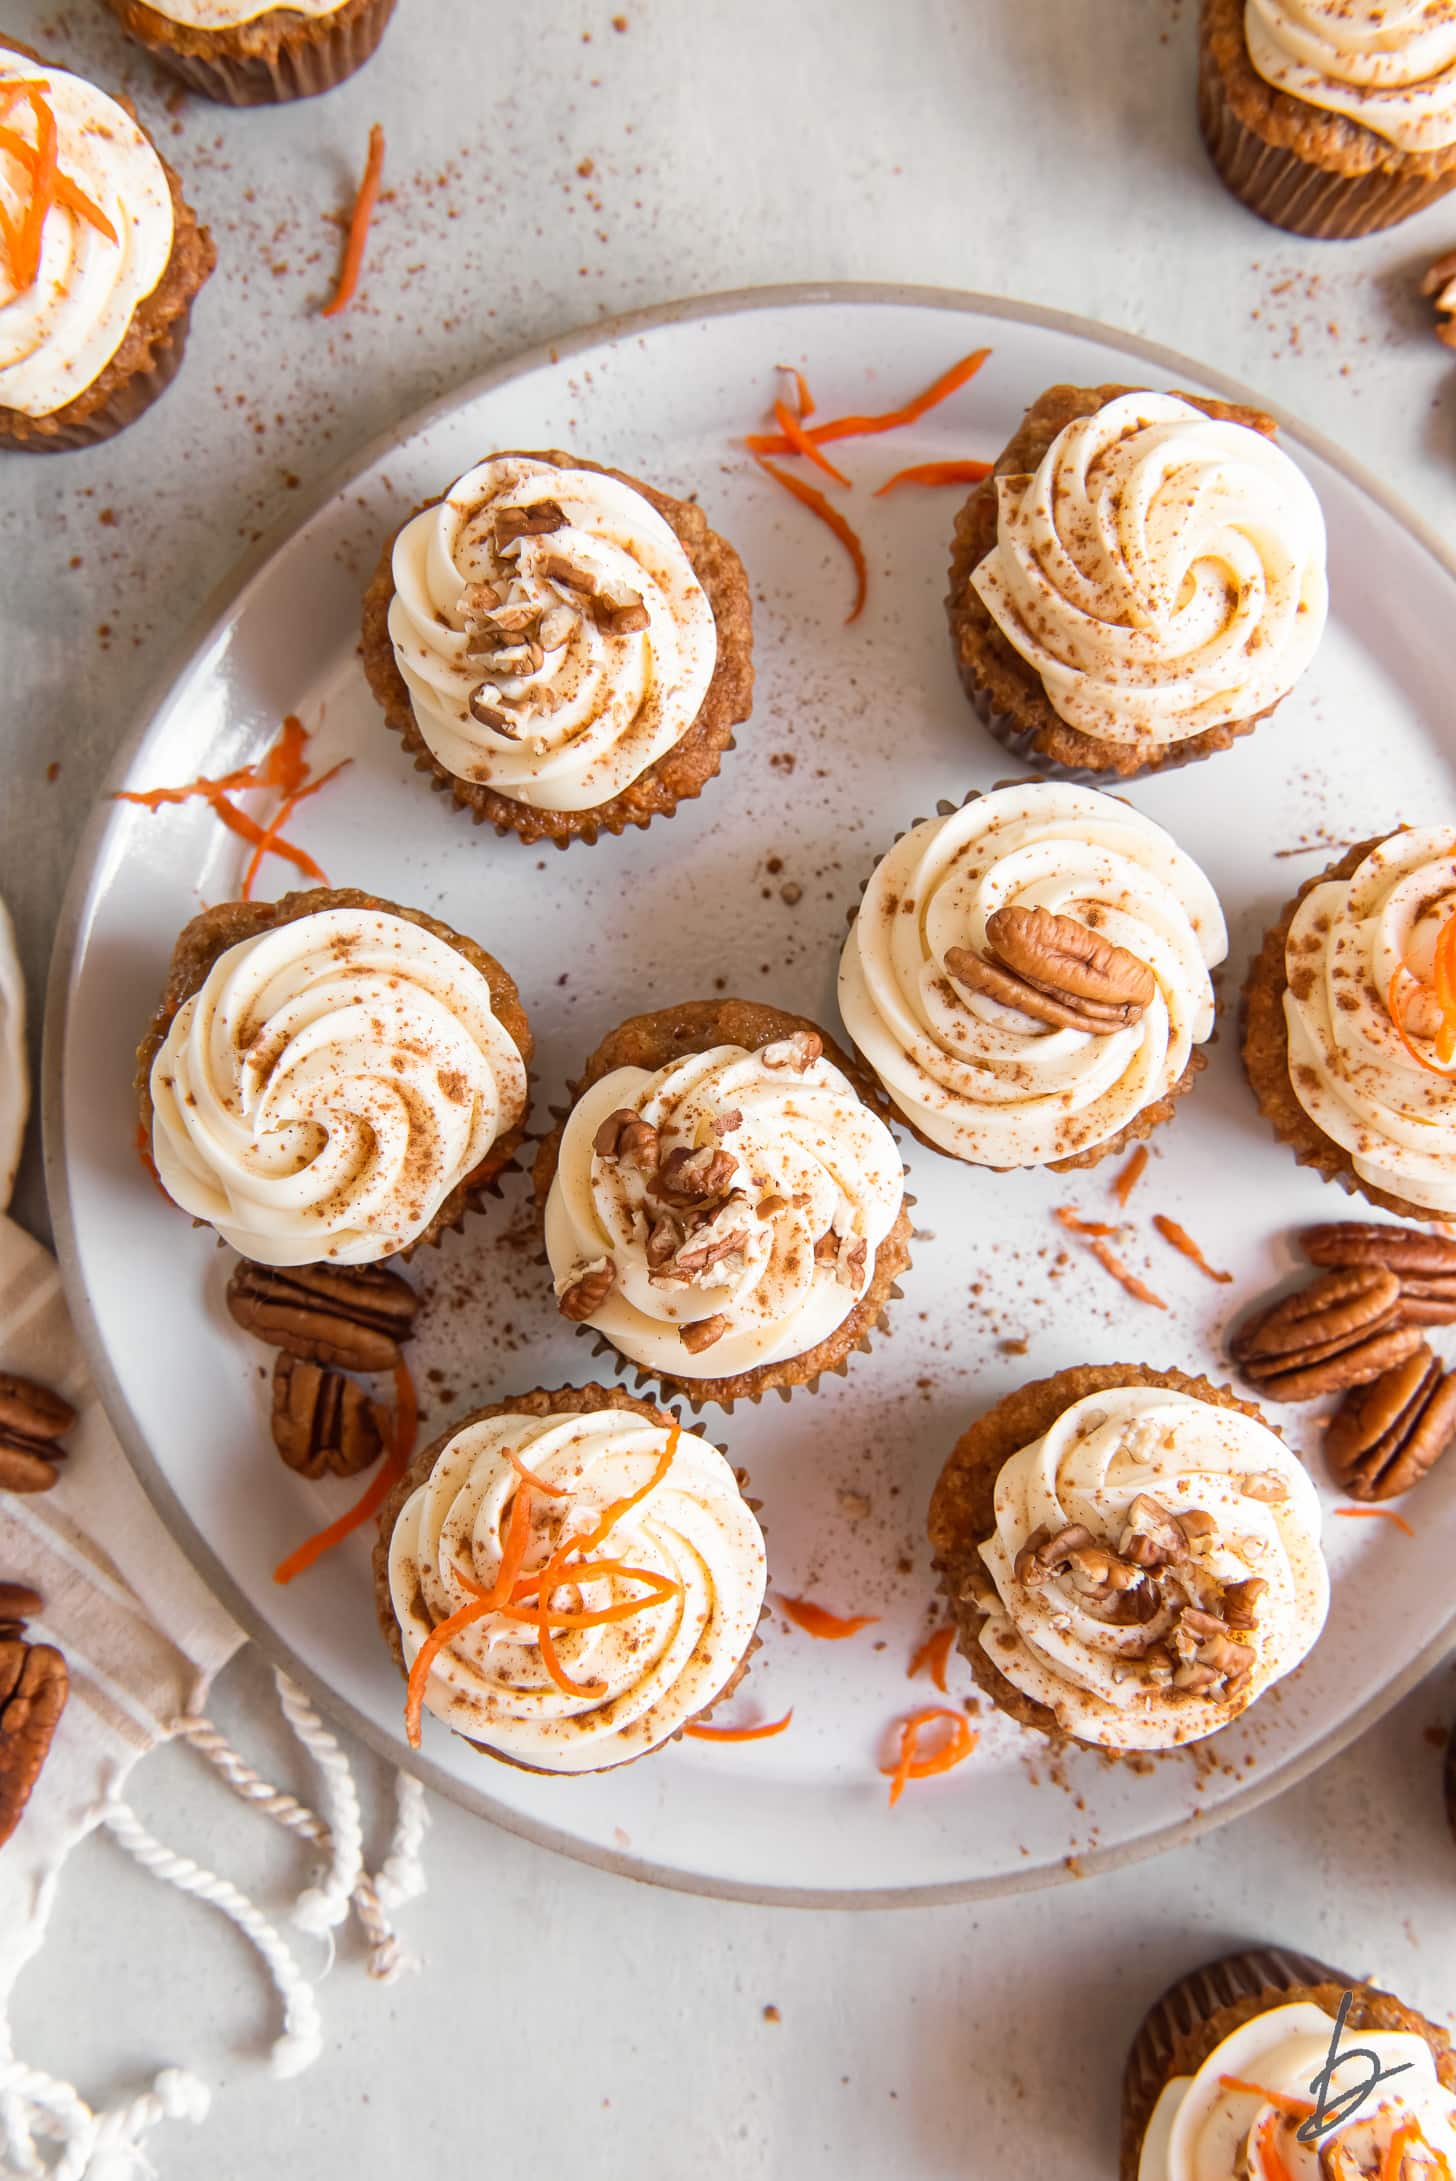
<point x="856" y="732"/>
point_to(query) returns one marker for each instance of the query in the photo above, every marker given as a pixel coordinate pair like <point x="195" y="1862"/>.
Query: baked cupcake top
<point x="68" y="297"/>
<point x="335" y="1078"/>
<point x="1161" y="571"/>
<point x="657" y="1576"/>
<point x="1388" y="64"/>
<point x="550" y="630"/>
<point x="1155" y="1565"/>
<point x="229" y="14"/>
<point x="986" y="1063"/>
<point x="1370" y="1010"/>
<point x="1216" y="2124"/>
<point x="727" y="1206"/>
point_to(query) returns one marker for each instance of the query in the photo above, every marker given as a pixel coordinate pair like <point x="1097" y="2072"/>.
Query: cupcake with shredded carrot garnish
<point x="1140" y="581"/>
<point x="1350" y="1023"/>
<point x="1220" y="2073"/>
<point x="331" y="1078"/>
<point x="1131" y="1556"/>
<point x="565" y="650"/>
<point x="723" y="1204"/>
<point x="568" y="1580"/>
<point x="1030" y="977"/>
<point x="100" y="260"/>
<point x="253" y="52"/>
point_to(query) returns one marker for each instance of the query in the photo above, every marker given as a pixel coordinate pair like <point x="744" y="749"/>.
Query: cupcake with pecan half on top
<point x="565" y="649"/>
<point x="253" y="52"/>
<point x="723" y="1204"/>
<point x="1140" y="581"/>
<point x="331" y="1078"/>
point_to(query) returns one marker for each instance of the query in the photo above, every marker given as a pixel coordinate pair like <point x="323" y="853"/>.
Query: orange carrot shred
<point x="1138" y="1289"/>
<point x="1377" y="1514"/>
<point x="934" y="1653"/>
<point x="358" y="226"/>
<point x="706" y="1733"/>
<point x="800" y="442"/>
<point x="1131" y="1175"/>
<point x="954" y="1748"/>
<point x="248" y="829"/>
<point x="68" y="193"/>
<point x="518" y="1534"/>
<point x="1392" y="2165"/>
<point x="1397" y="1016"/>
<point x="529" y="1476"/>
<point x="1291" y="2108"/>
<point x="1076" y="1224"/>
<point x="811" y="497"/>
<point x="802" y="394"/>
<point x="936" y="473"/>
<point x="42" y="170"/>
<point x="386" y="1477"/>
<point x="889" y="420"/>
<point x="817" y="1620"/>
<point x="1182" y="1240"/>
<point x="272" y="842"/>
<point x="1268" y="2152"/>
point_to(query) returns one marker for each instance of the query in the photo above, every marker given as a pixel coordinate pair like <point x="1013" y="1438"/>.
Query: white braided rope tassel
<point x="302" y="2038"/>
<point x="401" y="1876"/>
<point x="324" y="1906"/>
<point x="95" y="2146"/>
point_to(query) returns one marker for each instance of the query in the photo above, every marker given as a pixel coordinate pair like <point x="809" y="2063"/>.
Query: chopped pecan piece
<point x="626" y="1137"/>
<point x="1193" y="1675"/>
<point x="490" y="714"/>
<point x="695" y="1177"/>
<point x="1042" y="1557"/>
<point x="620" y="616"/>
<point x="1151" y="1537"/>
<point x="1385" y="1436"/>
<point x="664" y="1239"/>
<point x="323" y="1424"/>
<point x="538" y="520"/>
<point x="351" y="1316"/>
<point x="1241" y="1601"/>
<point x="1439" y="283"/>
<point x="1100" y="1574"/>
<point x="703" y="1333"/>
<point x="586" y="1288"/>
<point x="798" y="1052"/>
<point x="1264" y="1484"/>
<point x="33" y="1686"/>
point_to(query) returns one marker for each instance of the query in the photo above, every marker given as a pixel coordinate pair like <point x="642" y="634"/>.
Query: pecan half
<point x="703" y="1333"/>
<point x="1439" y="283"/>
<point x="1151" y="1537"/>
<point x="352" y="1316"/>
<point x="19" y="1602"/>
<point x="30" y="1411"/>
<point x="33" y="1688"/>
<point x="1036" y="937"/>
<point x="1294" y="1378"/>
<point x="1385" y="1436"/>
<point x="1343" y="1329"/>
<point x="723" y="1236"/>
<point x="536" y="521"/>
<point x="798" y="1052"/>
<point x="1399" y="1249"/>
<point x="695" y="1177"/>
<point x="490" y="714"/>
<point x="323" y="1424"/>
<point x="1428" y="1300"/>
<point x="626" y="1137"/>
<point x="586" y="1288"/>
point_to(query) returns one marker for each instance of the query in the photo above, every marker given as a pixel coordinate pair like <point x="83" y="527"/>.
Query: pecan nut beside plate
<point x="1439" y="283"/>
<point x="1343" y="1330"/>
<point x="32" y="1697"/>
<point x="1365" y="1242"/>
<point x="323" y="1424"/>
<point x="351" y="1316"/>
<point x="1385" y="1436"/>
<point x="32" y="1419"/>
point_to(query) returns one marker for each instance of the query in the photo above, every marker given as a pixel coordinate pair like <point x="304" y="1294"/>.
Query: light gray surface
<point x="1044" y="148"/>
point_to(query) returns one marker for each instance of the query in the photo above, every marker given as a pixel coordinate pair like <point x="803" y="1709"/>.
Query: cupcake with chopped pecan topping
<point x="253" y="52"/>
<point x="723" y="1204"/>
<point x="1140" y="581"/>
<point x="1131" y="1556"/>
<point x="564" y="649"/>
<point x="331" y="1078"/>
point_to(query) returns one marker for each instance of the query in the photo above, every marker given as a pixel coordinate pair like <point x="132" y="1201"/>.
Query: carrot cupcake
<point x="1029" y="976"/>
<point x="1140" y="580"/>
<point x="633" y="1567"/>
<point x="251" y="52"/>
<point x="1350" y="1023"/>
<point x="100" y="259"/>
<point x="1131" y="1556"/>
<point x="1220" y="2074"/>
<point x="1330" y="117"/>
<point x="330" y="1077"/>
<point x="722" y="1204"/>
<point x="565" y="649"/>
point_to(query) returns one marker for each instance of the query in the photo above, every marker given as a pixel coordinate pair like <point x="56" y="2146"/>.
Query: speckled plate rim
<point x="201" y="633"/>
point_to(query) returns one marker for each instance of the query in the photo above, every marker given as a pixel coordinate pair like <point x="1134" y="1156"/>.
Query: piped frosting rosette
<point x="1388" y="64"/>
<point x="1155" y="1565"/>
<point x="229" y="14"/>
<point x="550" y="630"/>
<point x="335" y="1078"/>
<point x="651" y="1564"/>
<point x="1244" y="2107"/>
<point x="974" y="1072"/>
<point x="1372" y="1047"/>
<point x="1162" y="571"/>
<point x="730" y="1204"/>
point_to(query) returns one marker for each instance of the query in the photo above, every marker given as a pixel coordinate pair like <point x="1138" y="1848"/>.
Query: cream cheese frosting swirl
<point x="58" y="335"/>
<point x="229" y="14"/>
<point x="983" y="1080"/>
<point x="1162" y="571"/>
<point x="1388" y="64"/>
<point x="329" y="1085"/>
<point x="1203" y="2128"/>
<point x="765" y="1248"/>
<point x="556" y="664"/>
<point x="1130" y="1681"/>
<point x="1353" y="944"/>
<point x="647" y="1674"/>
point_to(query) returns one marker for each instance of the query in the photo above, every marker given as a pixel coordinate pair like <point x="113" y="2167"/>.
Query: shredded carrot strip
<point x="529" y="1476"/>
<point x="550" y="1659"/>
<point x="706" y="1733"/>
<point x="801" y="443"/>
<point x="43" y="170"/>
<point x="272" y="842"/>
<point x="406" y="1426"/>
<point x="936" y="473"/>
<point x="68" y="193"/>
<point x="284" y="765"/>
<point x="248" y="829"/>
<point x="1182" y="1240"/>
<point x="802" y="394"/>
<point x="817" y="1620"/>
<point x="660" y="1589"/>
<point x="612" y="1514"/>
<point x="1392" y="2164"/>
<point x="159" y="798"/>
<point x="518" y="1534"/>
<point x="1076" y="1224"/>
<point x="359" y="226"/>
<point x="1292" y="2108"/>
<point x="1268" y="2152"/>
<point x="889" y="420"/>
<point x="811" y="497"/>
<point x="1138" y="1289"/>
<point x="1393" y="1007"/>
<point x="1377" y="1514"/>
<point x="910" y="1765"/>
<point x="1131" y="1175"/>
<point x="934" y="1653"/>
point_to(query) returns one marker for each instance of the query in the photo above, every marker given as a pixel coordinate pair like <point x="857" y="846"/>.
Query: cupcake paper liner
<point x="300" y="58"/>
<point x="128" y="400"/>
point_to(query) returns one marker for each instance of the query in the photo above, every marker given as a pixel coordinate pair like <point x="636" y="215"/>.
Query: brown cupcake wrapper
<point x="1291" y="192"/>
<point x="1022" y="744"/>
<point x="301" y="64"/>
<point x="1448" y="1781"/>
<point x="128" y="401"/>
